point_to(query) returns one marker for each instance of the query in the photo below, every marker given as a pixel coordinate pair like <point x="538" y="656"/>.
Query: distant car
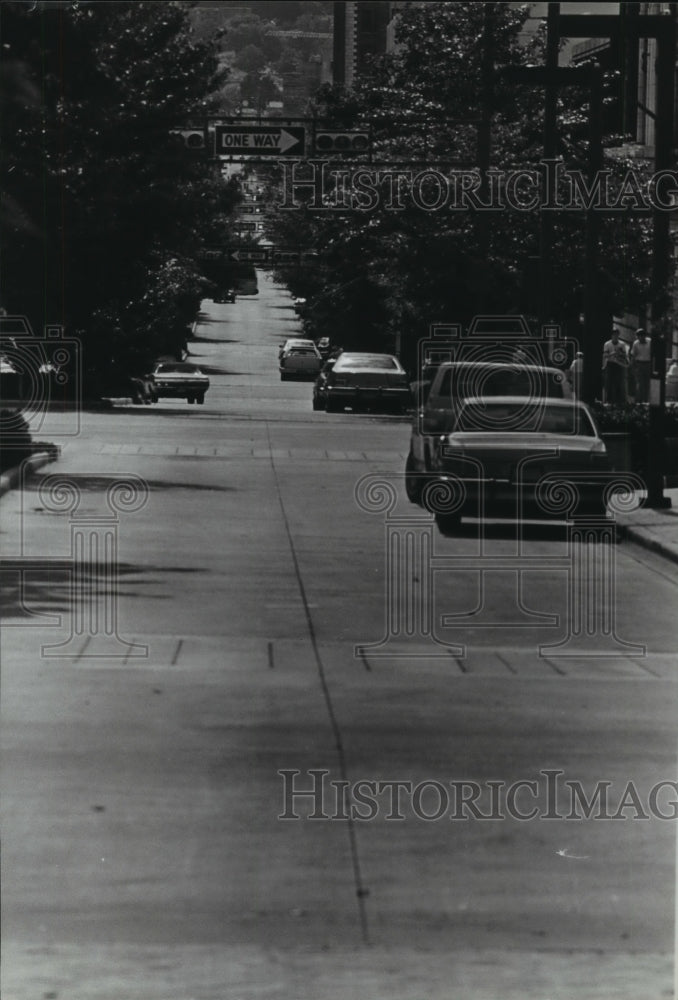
<point x="300" y="361"/>
<point x="320" y="387"/>
<point x="517" y="457"/>
<point x="299" y="306"/>
<point x="294" y="342"/>
<point x="225" y="295"/>
<point x="178" y="379"/>
<point x="366" y="381"/>
<point x="454" y="381"/>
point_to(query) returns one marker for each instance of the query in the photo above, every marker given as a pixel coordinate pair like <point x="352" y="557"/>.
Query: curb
<point x="9" y="479"/>
<point x="649" y="542"/>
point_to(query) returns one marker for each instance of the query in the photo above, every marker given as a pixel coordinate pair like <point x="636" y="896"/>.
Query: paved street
<point x="144" y="853"/>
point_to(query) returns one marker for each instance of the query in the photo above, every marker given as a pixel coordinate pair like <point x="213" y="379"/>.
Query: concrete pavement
<point x="143" y="847"/>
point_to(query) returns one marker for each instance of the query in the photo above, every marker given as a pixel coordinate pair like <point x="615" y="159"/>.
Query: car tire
<point x="414" y="481"/>
<point x="448" y="524"/>
<point x="200" y="399"/>
<point x="190" y="399"/>
<point x="317" y="404"/>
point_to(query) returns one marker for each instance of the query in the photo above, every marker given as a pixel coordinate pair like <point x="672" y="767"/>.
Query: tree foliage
<point x="411" y="267"/>
<point x="111" y="208"/>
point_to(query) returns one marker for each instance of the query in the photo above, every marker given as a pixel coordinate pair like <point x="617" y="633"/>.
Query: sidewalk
<point x="656" y="530"/>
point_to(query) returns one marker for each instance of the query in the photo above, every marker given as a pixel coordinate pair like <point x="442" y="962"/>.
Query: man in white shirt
<point x="615" y="363"/>
<point x="641" y="359"/>
<point x="576" y="374"/>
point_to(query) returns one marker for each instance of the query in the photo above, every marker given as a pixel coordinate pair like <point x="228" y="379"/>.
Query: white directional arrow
<point x="286" y="140"/>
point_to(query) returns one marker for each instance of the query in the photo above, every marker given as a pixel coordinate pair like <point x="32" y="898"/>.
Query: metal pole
<point x="661" y="263"/>
<point x="550" y="136"/>
<point x="484" y="147"/>
<point x="595" y="317"/>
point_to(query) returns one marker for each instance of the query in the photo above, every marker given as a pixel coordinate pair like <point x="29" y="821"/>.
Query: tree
<point x="447" y="265"/>
<point x="119" y="205"/>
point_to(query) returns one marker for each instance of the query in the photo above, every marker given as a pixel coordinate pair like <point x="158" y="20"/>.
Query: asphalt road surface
<point x="266" y="608"/>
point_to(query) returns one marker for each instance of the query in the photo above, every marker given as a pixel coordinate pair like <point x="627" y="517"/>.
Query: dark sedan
<point x="514" y="457"/>
<point x="367" y="382"/>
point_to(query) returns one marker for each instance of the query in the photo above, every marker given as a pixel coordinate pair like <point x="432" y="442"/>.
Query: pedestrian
<point x="615" y="364"/>
<point x="672" y="381"/>
<point x="641" y="360"/>
<point x="575" y="374"/>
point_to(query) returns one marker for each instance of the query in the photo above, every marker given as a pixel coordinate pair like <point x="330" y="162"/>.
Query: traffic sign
<point x="260" y="140"/>
<point x="245" y="255"/>
<point x="263" y="254"/>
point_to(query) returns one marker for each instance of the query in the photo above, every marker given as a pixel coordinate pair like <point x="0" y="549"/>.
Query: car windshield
<point x="524" y="417"/>
<point x="302" y="350"/>
<point x="178" y="368"/>
<point x="367" y="361"/>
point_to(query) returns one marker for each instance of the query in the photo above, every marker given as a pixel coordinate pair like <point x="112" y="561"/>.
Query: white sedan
<point x="179" y="380"/>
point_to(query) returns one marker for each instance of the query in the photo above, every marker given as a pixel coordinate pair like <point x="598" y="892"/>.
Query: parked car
<point x="367" y="381"/>
<point x="299" y="305"/>
<point x="320" y="387"/>
<point x="455" y="381"/>
<point x="180" y="380"/>
<point x="300" y="361"/>
<point x="293" y="342"/>
<point x="225" y="295"/>
<point x="517" y="457"/>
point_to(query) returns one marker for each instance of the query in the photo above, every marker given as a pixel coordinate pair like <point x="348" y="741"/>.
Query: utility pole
<point x="596" y="316"/>
<point x="661" y="264"/>
<point x="662" y="27"/>
<point x="484" y="147"/>
<point x="550" y="142"/>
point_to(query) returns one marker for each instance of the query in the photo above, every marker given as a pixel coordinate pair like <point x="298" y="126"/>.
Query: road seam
<point x="361" y="890"/>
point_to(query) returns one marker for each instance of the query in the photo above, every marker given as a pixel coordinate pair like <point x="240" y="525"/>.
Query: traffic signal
<point x="193" y="138"/>
<point x="341" y="142"/>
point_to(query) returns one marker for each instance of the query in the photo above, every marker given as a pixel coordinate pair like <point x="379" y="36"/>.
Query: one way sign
<point x="259" y="140"/>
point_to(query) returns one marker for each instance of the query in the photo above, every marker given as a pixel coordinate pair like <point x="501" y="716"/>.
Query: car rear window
<point x="477" y="380"/>
<point x="354" y="361"/>
<point x="182" y="368"/>
<point x="505" y="417"/>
